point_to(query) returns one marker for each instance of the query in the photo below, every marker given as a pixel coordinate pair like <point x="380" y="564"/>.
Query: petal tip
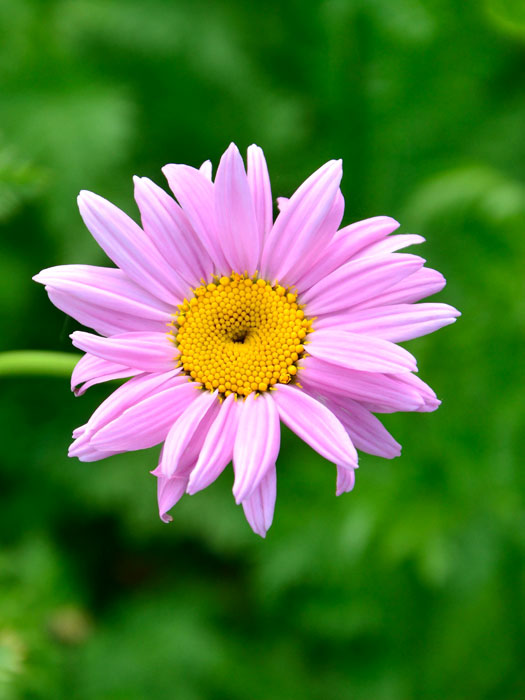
<point x="85" y="195"/>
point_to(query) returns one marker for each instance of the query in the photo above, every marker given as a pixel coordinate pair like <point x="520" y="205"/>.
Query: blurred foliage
<point x="19" y="180"/>
<point x="412" y="586"/>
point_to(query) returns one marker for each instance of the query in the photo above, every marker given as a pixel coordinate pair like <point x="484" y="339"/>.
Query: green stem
<point x="37" y="362"/>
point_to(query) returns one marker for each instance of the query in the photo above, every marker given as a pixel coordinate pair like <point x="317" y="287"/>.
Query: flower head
<point x="228" y="323"/>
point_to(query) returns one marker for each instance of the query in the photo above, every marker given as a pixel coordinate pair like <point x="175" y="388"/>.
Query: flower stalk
<point x="37" y="362"/>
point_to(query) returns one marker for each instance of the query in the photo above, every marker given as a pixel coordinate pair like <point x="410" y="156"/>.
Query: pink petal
<point x="169" y="492"/>
<point x="189" y="457"/>
<point x="90" y="454"/>
<point x="358" y="280"/>
<point x="344" y="246"/>
<point x="356" y="351"/>
<point x="102" y="320"/>
<point x="126" y="396"/>
<point x="107" y="287"/>
<point x="311" y="257"/>
<point x="206" y="170"/>
<point x="390" y="245"/>
<point x="256" y="444"/>
<point x="103" y="298"/>
<point x="333" y="220"/>
<point x="420" y="284"/>
<point x="259" y="507"/>
<point x="183" y="430"/>
<point x="430" y="401"/>
<point x="366" y="432"/>
<point x="217" y="449"/>
<point x="298" y="226"/>
<point x="148" y="352"/>
<point x="383" y="393"/>
<point x="261" y="190"/>
<point x="234" y="209"/>
<point x="91" y="370"/>
<point x="148" y="421"/>
<point x="196" y="196"/>
<point x="169" y="229"/>
<point x="315" y="424"/>
<point x="128" y="246"/>
<point x="396" y="323"/>
<point x="282" y="202"/>
<point x="171" y="489"/>
<point x="345" y="480"/>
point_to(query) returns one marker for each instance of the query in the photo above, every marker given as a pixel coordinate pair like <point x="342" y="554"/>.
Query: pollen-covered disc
<point x="240" y="335"/>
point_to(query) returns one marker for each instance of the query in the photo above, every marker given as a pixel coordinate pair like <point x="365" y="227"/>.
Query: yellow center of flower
<point x="240" y="335"/>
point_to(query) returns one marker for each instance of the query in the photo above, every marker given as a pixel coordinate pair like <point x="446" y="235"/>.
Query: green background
<point x="411" y="586"/>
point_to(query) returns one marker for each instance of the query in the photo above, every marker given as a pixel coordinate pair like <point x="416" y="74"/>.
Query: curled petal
<point x="170" y="489"/>
<point x="259" y="507"/>
<point x="345" y="480"/>
<point x="169" y="493"/>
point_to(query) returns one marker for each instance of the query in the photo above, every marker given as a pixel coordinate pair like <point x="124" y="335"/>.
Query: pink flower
<point x="228" y="323"/>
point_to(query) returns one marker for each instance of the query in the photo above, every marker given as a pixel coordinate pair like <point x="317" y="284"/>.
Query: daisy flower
<point x="227" y="322"/>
